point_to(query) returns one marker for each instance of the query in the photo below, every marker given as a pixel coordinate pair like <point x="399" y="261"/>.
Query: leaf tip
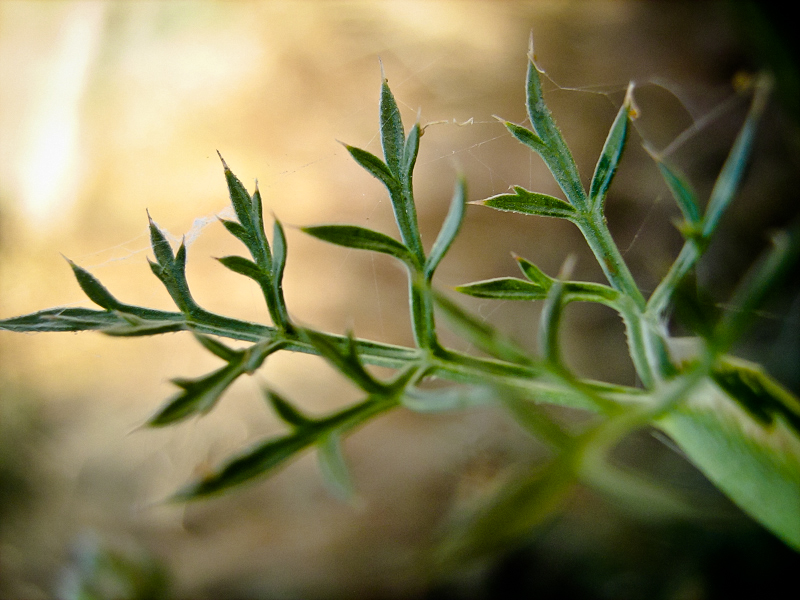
<point x="630" y="103"/>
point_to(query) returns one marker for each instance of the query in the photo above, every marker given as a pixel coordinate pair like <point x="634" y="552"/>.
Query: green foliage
<point x="739" y="426"/>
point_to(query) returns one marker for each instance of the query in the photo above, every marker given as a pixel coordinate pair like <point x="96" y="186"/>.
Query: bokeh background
<point x="109" y="109"/>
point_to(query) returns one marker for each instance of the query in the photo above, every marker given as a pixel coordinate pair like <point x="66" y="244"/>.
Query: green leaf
<point x="287" y="412"/>
<point x="238" y="231"/>
<point x="612" y="153"/>
<point x="756" y="392"/>
<point x="95" y="290"/>
<point x="585" y="291"/>
<point x="759" y="282"/>
<point x="392" y="134"/>
<point x="526" y="136"/>
<point x="510" y="515"/>
<point x="410" y="151"/>
<point x="450" y="228"/>
<point x="557" y="155"/>
<point x="730" y="176"/>
<point x="171" y="269"/>
<point x="217" y="348"/>
<point x="504" y="288"/>
<point x="243" y="266"/>
<point x="534" y="273"/>
<point x="531" y="203"/>
<point x="756" y="465"/>
<point x="279" y="251"/>
<point x="481" y="334"/>
<point x="83" y="319"/>
<point x="256" y="462"/>
<point x="351" y="236"/>
<point x="376" y="167"/>
<point x="200" y="395"/>
<point x="681" y="190"/>
<point x="240" y="198"/>
<point x="345" y="360"/>
<point x="333" y="467"/>
<point x="550" y="323"/>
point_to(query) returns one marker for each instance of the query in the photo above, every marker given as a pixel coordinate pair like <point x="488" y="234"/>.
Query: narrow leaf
<point x="450" y="227"/>
<point x="351" y="236"/>
<point x="287" y="412"/>
<point x="732" y="171"/>
<point x="504" y="288"/>
<point x="197" y="396"/>
<point x="279" y="252"/>
<point x="534" y="273"/>
<point x="681" y="190"/>
<point x="612" y="153"/>
<point x="238" y="231"/>
<point x="551" y="323"/>
<point x="346" y="361"/>
<point x="95" y="290"/>
<point x="526" y="136"/>
<point x="217" y="348"/>
<point x="161" y="247"/>
<point x="557" y="156"/>
<point x="333" y="466"/>
<point x="392" y="134"/>
<point x="243" y="266"/>
<point x="240" y="198"/>
<point x="257" y="462"/>
<point x="481" y="334"/>
<point x="82" y="319"/>
<point x="375" y="166"/>
<point x="410" y="151"/>
<point x="531" y="203"/>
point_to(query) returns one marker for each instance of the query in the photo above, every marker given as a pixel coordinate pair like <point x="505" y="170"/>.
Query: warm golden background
<point x="108" y="109"/>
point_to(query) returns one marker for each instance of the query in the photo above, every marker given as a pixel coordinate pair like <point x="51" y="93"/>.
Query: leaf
<point x="756" y="286"/>
<point x="95" y="290"/>
<point x="279" y="251"/>
<point x="756" y="465"/>
<point x="481" y="334"/>
<point x="550" y="323"/>
<point x="556" y="155"/>
<point x="217" y="348"/>
<point x="170" y="269"/>
<point x="756" y="392"/>
<point x="200" y="395"/>
<point x="351" y="236"/>
<point x="681" y="190"/>
<point x="240" y="198"/>
<point x="243" y="266"/>
<point x="450" y="228"/>
<point x="510" y="515"/>
<point x="77" y="319"/>
<point x="346" y="361"/>
<point x="238" y="231"/>
<point x="534" y="273"/>
<point x="504" y="288"/>
<point x="333" y="467"/>
<point x="531" y="203"/>
<point x="727" y="183"/>
<point x="410" y="151"/>
<point x="287" y="412"/>
<point x="526" y="136"/>
<point x="375" y="166"/>
<point x="392" y="134"/>
<point x="612" y="153"/>
<point x="256" y="462"/>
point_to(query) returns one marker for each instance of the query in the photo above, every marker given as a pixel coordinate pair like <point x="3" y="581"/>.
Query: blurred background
<point x="109" y="109"/>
